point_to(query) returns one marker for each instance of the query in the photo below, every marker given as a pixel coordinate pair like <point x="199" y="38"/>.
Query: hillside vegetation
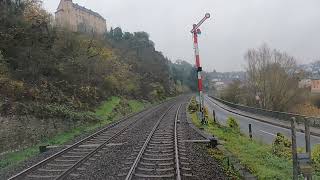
<point x="53" y="80"/>
<point x="42" y="65"/>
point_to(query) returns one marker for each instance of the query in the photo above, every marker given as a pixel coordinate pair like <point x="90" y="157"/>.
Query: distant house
<point x="215" y="80"/>
<point x="315" y="86"/>
<point x="305" y="83"/>
<point x="220" y="85"/>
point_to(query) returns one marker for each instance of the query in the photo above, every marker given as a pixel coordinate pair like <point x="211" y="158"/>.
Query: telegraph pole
<point x="195" y="32"/>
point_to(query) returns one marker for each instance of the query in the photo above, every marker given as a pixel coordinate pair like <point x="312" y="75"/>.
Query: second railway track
<point x="63" y="163"/>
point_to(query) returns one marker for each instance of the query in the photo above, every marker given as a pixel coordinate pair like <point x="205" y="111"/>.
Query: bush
<point x="232" y="123"/>
<point x="206" y="112"/>
<point x="233" y="92"/>
<point x="315" y="100"/>
<point x="281" y="146"/>
<point x="193" y="107"/>
<point x="3" y="66"/>
<point x="11" y="88"/>
<point x="45" y="111"/>
<point x="316" y="154"/>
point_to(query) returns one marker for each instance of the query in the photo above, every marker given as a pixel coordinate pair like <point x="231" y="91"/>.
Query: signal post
<point x="195" y="32"/>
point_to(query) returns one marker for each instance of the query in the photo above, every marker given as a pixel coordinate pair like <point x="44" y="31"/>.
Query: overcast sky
<point x="236" y="25"/>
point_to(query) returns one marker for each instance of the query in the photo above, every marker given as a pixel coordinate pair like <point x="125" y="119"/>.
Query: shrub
<point x="232" y="123"/>
<point x="315" y="100"/>
<point x="45" y="111"/>
<point x="316" y="154"/>
<point x="281" y="146"/>
<point x="206" y="112"/>
<point x="3" y="66"/>
<point x="11" y="89"/>
<point x="193" y="107"/>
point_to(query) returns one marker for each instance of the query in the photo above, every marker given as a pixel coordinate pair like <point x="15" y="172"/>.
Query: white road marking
<point x="268" y="133"/>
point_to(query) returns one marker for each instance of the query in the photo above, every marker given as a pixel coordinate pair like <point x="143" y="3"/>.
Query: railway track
<point x="62" y="164"/>
<point x="162" y="155"/>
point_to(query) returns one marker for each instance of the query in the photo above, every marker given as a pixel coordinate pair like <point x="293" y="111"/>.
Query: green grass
<point x="135" y="105"/>
<point x="221" y="158"/>
<point x="106" y="107"/>
<point x="105" y="111"/>
<point x="257" y="157"/>
<point x="15" y="157"/>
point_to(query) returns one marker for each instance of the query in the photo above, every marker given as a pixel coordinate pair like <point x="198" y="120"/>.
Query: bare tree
<point x="233" y="92"/>
<point x="272" y="78"/>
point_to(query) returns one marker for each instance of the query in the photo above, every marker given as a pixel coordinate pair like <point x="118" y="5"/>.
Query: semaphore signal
<point x="196" y="31"/>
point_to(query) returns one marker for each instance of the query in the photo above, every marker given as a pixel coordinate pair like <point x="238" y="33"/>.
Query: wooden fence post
<point x="294" y="149"/>
<point x="250" y="131"/>
<point x="214" y="116"/>
<point x="307" y="138"/>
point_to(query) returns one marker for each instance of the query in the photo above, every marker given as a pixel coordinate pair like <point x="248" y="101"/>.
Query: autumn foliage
<point x="42" y="64"/>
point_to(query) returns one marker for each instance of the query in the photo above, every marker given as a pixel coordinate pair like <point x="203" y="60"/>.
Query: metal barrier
<point x="314" y="121"/>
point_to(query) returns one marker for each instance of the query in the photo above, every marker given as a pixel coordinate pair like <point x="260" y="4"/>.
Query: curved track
<point x="61" y="164"/>
<point x="161" y="154"/>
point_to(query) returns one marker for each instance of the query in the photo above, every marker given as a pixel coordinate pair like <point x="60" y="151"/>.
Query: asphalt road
<point x="261" y="131"/>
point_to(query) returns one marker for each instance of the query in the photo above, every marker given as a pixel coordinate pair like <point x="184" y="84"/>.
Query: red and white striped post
<point x="195" y="31"/>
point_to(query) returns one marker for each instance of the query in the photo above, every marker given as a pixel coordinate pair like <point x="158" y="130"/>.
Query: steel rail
<point x="65" y="173"/>
<point x="178" y="177"/>
<point x="135" y="164"/>
<point x="34" y="167"/>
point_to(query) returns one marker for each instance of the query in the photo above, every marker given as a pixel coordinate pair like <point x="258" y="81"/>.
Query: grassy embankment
<point x="105" y="111"/>
<point x="255" y="156"/>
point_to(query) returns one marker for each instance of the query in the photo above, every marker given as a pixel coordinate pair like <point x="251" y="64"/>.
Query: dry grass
<point x="306" y="109"/>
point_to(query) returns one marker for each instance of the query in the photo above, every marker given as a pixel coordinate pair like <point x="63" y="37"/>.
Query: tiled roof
<point x="77" y="6"/>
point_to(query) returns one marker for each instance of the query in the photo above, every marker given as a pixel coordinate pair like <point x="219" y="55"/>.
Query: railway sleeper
<point x="59" y="165"/>
<point x="157" y="159"/>
<point x="163" y="137"/>
<point x="162" y="134"/>
<point x="66" y="160"/>
<point x="185" y="168"/>
<point x="154" y="176"/>
<point x="78" y="152"/>
<point x="41" y="177"/>
<point x="71" y="156"/>
<point x="155" y="166"/>
<point x="46" y="173"/>
<point x="161" y="147"/>
<point x="159" y="154"/>
<point x="159" y="151"/>
<point x="82" y="149"/>
<point x="50" y="170"/>
<point x="156" y="141"/>
<point x="156" y="169"/>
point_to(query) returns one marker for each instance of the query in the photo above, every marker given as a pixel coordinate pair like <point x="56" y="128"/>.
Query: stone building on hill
<point x="79" y="19"/>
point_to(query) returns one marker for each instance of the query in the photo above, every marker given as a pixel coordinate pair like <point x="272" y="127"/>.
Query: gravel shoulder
<point x="202" y="164"/>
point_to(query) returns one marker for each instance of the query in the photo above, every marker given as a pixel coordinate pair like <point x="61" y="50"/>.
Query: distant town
<point x="311" y="81"/>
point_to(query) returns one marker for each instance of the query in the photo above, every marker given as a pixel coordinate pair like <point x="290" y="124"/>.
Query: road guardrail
<point x="286" y="116"/>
